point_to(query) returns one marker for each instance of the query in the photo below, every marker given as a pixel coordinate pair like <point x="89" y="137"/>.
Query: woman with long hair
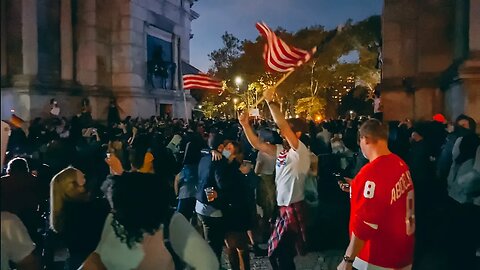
<point x="143" y="233"/>
<point x="75" y="215"/>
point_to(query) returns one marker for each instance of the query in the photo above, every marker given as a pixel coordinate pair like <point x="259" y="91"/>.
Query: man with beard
<point x="292" y="165"/>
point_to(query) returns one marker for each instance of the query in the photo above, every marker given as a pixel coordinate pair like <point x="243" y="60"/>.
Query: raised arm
<point x="253" y="138"/>
<point x="280" y="120"/>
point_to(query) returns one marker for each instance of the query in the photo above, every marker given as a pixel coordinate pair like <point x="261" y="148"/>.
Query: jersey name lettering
<point x="401" y="186"/>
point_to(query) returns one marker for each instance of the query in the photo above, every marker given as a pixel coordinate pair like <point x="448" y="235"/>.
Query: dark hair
<point x="422" y="128"/>
<point x="17" y="166"/>
<point x="215" y="140"/>
<point x="139" y="205"/>
<point x="374" y="129"/>
<point x="471" y="123"/>
<point x="136" y="156"/>
<point x="192" y="153"/>
<point x="468" y="148"/>
<point x="298" y="125"/>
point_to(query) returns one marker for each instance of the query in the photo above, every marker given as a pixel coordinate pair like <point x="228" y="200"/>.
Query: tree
<point x="356" y="100"/>
<point x="310" y="89"/>
<point x="224" y="58"/>
<point x="310" y="107"/>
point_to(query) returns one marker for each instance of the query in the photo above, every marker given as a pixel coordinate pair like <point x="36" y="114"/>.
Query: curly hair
<point x="140" y="205"/>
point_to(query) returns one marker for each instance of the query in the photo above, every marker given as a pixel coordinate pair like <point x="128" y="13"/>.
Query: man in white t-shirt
<point x="292" y="166"/>
<point x="17" y="246"/>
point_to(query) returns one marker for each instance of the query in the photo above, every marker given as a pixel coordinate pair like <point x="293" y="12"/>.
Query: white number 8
<point x="369" y="190"/>
<point x="410" y="217"/>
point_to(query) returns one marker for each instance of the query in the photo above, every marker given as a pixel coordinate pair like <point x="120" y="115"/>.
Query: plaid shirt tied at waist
<point x="290" y="220"/>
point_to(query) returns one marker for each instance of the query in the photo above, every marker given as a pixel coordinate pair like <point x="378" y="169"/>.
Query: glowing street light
<point x="235" y="100"/>
<point x="238" y="81"/>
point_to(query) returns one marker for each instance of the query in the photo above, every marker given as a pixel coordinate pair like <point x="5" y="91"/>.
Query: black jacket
<point x="212" y="174"/>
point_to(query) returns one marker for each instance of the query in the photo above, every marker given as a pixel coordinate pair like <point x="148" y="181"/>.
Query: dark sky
<point x="239" y="17"/>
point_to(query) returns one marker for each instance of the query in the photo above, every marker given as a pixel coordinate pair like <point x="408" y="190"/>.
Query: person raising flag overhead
<point x="201" y="81"/>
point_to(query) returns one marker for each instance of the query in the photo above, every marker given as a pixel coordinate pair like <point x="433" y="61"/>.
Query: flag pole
<point x="185" y="103"/>
<point x="285" y="76"/>
<point x="183" y="90"/>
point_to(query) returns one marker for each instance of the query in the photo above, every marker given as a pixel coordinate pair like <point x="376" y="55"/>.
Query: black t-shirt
<point x="83" y="224"/>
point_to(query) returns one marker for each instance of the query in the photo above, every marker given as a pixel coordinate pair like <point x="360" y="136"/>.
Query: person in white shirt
<point x="292" y="166"/>
<point x="17" y="246"/>
<point x="134" y="236"/>
<point x="265" y="169"/>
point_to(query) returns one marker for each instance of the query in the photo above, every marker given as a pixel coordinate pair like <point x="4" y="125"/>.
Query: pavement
<point x="327" y="260"/>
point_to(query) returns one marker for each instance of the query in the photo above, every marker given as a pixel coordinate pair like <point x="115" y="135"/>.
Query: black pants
<point x="186" y="207"/>
<point x="214" y="233"/>
<point x="282" y="257"/>
<point x="465" y="237"/>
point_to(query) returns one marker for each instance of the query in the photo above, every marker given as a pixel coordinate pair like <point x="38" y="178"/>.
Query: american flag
<point x="278" y="55"/>
<point x="201" y="81"/>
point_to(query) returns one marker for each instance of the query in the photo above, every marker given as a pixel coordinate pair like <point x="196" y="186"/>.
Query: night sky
<point x="239" y="17"/>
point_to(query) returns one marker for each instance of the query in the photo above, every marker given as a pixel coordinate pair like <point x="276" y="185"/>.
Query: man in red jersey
<point x="382" y="219"/>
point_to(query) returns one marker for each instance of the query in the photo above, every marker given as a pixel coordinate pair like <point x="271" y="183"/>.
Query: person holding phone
<point x="382" y="213"/>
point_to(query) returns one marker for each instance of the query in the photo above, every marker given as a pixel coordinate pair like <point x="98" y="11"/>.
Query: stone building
<point x="431" y="58"/>
<point x="72" y="50"/>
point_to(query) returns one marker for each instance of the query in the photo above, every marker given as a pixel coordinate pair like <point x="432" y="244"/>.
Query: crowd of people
<point x="169" y="194"/>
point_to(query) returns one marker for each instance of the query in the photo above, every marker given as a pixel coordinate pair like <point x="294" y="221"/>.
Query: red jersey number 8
<point x="410" y="217"/>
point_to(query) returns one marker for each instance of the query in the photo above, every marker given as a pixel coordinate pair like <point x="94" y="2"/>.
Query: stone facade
<point x="431" y="60"/>
<point x="96" y="49"/>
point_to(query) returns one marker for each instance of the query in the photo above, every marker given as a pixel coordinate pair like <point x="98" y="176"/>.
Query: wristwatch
<point x="347" y="259"/>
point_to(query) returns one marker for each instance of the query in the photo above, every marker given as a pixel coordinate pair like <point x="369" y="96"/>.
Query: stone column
<point x="3" y="38"/>
<point x="29" y="38"/>
<point x="86" y="55"/>
<point x="470" y="70"/>
<point x="474" y="25"/>
<point x="428" y="102"/>
<point x="398" y="104"/>
<point x="66" y="39"/>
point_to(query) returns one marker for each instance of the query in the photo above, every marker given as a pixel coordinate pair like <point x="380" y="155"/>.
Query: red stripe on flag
<point x="201" y="81"/>
<point x="278" y="55"/>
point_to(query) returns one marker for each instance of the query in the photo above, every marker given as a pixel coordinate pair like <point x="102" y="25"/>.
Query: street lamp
<point x="235" y="100"/>
<point x="238" y="81"/>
